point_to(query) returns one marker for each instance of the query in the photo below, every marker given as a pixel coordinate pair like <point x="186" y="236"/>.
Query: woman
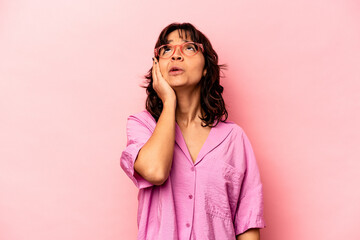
<point x="196" y="172"/>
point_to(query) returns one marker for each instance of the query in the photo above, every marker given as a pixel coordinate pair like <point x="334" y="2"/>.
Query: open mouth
<point x="175" y="71"/>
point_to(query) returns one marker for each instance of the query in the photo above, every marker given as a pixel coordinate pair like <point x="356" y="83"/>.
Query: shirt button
<point x="188" y="225"/>
<point x="190" y="196"/>
<point x="192" y="169"/>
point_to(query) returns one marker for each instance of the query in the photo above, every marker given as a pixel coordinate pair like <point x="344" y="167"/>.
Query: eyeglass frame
<point x="156" y="50"/>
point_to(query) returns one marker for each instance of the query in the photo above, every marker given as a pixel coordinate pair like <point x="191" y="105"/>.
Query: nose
<point x="177" y="54"/>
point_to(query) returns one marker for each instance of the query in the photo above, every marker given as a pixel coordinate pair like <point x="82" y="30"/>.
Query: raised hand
<point x="165" y="92"/>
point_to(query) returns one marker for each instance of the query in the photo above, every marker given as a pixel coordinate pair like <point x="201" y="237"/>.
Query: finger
<point x="154" y="72"/>
<point x="157" y="69"/>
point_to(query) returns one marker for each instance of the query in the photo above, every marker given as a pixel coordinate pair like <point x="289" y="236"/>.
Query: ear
<point x="204" y="72"/>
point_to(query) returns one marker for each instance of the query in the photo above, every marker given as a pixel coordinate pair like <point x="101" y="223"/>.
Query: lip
<point x="177" y="72"/>
<point x="179" y="68"/>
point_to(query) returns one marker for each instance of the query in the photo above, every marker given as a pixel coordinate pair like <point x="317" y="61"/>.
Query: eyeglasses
<point x="187" y="48"/>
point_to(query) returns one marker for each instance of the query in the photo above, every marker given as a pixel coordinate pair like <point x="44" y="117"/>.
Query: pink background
<point x="70" y="73"/>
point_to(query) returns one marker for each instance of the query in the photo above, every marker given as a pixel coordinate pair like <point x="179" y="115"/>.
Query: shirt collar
<point x="216" y="136"/>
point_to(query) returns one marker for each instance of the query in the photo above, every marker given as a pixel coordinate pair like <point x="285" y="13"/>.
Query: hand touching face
<point x="160" y="85"/>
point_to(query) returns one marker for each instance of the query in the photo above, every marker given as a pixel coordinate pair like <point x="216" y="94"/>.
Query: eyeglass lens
<point x="189" y="49"/>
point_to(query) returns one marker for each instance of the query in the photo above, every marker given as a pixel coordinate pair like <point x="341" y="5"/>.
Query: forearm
<point x="155" y="157"/>
<point x="251" y="234"/>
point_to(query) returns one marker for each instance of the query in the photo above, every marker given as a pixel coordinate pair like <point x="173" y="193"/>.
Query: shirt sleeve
<point x="137" y="135"/>
<point x="249" y="211"/>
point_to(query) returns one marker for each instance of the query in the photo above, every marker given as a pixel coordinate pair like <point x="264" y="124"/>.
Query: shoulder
<point x="232" y="127"/>
<point x="239" y="136"/>
<point x="144" y="114"/>
<point x="143" y="117"/>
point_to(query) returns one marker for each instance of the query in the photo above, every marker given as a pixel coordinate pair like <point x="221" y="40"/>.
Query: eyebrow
<point x="182" y="40"/>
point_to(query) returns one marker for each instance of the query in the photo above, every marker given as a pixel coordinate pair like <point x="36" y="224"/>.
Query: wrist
<point x="170" y="103"/>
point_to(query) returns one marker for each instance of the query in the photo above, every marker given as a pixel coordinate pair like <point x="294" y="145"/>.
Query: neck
<point x="188" y="107"/>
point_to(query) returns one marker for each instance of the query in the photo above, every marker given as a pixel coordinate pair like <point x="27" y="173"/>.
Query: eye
<point x="190" y="47"/>
<point x="166" y="48"/>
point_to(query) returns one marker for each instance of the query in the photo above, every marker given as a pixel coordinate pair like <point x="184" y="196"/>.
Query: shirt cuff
<point x="127" y="161"/>
<point x="254" y="221"/>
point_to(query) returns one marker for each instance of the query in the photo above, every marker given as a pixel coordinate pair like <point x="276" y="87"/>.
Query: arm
<point x="154" y="160"/>
<point x="147" y="159"/>
<point x="251" y="234"/>
<point x="250" y="206"/>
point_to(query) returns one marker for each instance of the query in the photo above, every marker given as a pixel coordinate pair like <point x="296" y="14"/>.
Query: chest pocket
<point x="223" y="190"/>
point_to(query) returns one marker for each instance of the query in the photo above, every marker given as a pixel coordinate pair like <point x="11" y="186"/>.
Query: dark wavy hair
<point x="211" y="100"/>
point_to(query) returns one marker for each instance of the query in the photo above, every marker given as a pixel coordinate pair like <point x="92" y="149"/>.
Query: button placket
<point x="190" y="196"/>
<point x="193" y="170"/>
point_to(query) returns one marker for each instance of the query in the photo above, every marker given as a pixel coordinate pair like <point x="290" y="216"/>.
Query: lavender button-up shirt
<point x="217" y="197"/>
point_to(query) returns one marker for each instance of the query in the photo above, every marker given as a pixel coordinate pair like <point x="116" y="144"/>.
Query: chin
<point x="175" y="79"/>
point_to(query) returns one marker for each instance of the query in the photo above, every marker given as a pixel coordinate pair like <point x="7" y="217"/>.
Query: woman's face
<point x="193" y="66"/>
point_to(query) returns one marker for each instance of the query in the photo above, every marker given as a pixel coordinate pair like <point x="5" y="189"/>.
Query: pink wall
<point x="69" y="76"/>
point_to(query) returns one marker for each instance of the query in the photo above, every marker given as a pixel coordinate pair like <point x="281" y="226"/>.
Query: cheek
<point x="198" y="71"/>
<point x="163" y="70"/>
<point x="199" y="66"/>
